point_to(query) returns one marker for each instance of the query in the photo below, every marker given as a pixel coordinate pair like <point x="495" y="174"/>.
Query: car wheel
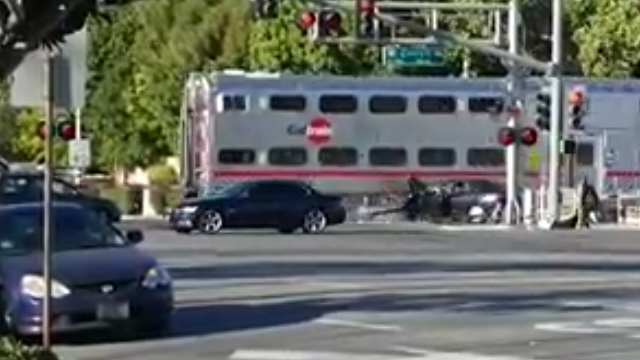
<point x="314" y="222"/>
<point x="210" y="222"/>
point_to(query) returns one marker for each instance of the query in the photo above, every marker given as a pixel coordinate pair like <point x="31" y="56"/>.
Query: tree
<point x="609" y="45"/>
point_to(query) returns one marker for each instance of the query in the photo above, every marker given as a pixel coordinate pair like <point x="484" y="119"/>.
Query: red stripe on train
<point x="382" y="174"/>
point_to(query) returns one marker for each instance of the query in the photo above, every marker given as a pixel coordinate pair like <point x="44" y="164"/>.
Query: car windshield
<point x="72" y="229"/>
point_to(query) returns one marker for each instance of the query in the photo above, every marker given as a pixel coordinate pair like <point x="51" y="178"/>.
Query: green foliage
<point x="11" y="349"/>
<point x="609" y="41"/>
<point x="162" y="175"/>
<point x="26" y="144"/>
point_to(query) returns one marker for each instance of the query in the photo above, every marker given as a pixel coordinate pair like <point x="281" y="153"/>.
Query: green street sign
<point x="414" y="55"/>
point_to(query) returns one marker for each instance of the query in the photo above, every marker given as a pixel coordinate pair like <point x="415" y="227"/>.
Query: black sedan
<point x="100" y="279"/>
<point x="279" y="204"/>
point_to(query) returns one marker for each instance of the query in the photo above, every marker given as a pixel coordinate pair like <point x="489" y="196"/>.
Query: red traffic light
<point x="576" y="97"/>
<point x="307" y="20"/>
<point x="67" y="130"/>
<point x="506" y="136"/>
<point x="528" y="136"/>
<point x="367" y="6"/>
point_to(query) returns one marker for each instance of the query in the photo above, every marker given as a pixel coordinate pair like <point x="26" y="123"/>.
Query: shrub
<point x="162" y="175"/>
<point x="162" y="179"/>
<point x="11" y="349"/>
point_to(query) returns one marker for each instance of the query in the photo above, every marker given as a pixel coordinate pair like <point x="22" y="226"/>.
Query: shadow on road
<point x="288" y="269"/>
<point x="202" y="320"/>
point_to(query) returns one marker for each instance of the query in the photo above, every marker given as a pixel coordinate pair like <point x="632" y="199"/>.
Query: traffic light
<point x="307" y="20"/>
<point x="506" y="136"/>
<point x="329" y="23"/>
<point x="368" y="22"/>
<point x="577" y="109"/>
<point x="528" y="136"/>
<point x="66" y="130"/>
<point x="543" y="111"/>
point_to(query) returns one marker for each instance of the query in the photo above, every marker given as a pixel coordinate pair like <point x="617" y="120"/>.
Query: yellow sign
<point x="534" y="160"/>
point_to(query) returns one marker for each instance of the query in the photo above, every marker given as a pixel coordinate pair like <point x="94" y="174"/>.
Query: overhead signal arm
<point x="481" y="46"/>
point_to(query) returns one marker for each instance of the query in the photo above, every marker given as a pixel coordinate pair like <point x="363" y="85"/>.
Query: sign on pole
<point x="402" y="55"/>
<point x="79" y="153"/>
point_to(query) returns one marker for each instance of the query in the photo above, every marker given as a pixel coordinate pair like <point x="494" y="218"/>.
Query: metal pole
<point x="557" y="102"/>
<point x="78" y="136"/>
<point x="513" y="151"/>
<point x="47" y="238"/>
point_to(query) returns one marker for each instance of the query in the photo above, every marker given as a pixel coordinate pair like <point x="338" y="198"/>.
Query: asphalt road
<point x="388" y="292"/>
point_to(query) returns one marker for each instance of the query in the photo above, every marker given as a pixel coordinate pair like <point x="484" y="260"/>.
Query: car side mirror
<point x="134" y="236"/>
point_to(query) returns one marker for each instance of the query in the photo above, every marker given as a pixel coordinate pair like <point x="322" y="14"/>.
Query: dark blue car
<point x="101" y="279"/>
<point x="285" y="205"/>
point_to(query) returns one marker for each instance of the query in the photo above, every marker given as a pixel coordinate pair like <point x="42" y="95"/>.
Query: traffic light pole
<point x="514" y="90"/>
<point x="49" y="107"/>
<point x="557" y="102"/>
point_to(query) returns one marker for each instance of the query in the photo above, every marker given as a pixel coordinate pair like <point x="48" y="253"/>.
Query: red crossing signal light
<point x="307" y="20"/>
<point x="528" y="136"/>
<point x="506" y="136"/>
<point x="66" y="130"/>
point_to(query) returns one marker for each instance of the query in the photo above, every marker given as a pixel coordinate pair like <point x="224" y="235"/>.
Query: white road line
<point x="312" y="355"/>
<point x="412" y="350"/>
<point x="574" y="328"/>
<point x="357" y="324"/>
<point x="303" y="355"/>
<point x="625" y="323"/>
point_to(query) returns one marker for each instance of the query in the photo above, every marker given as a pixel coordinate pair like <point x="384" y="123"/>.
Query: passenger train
<point x="349" y="134"/>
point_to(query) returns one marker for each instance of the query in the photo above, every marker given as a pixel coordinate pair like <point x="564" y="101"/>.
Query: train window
<point x="388" y="157"/>
<point x="287" y="103"/>
<point x="430" y="104"/>
<point x="485" y="105"/>
<point x="234" y="103"/>
<point x="585" y="154"/>
<point x="338" y="156"/>
<point x="388" y="104"/>
<point x="236" y="156"/>
<point x="485" y="157"/>
<point x="338" y="104"/>
<point x="437" y="157"/>
<point x="287" y="156"/>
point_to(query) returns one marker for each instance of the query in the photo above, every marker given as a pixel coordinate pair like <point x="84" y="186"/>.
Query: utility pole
<point x="557" y="109"/>
<point x="514" y="89"/>
<point x="47" y="239"/>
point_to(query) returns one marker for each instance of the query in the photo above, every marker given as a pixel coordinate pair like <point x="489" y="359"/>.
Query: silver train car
<point x="368" y="135"/>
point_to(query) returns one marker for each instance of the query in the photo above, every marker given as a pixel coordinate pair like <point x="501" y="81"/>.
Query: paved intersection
<point x="383" y="292"/>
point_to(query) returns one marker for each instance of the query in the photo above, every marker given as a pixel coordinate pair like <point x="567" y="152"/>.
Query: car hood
<point x="82" y="266"/>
